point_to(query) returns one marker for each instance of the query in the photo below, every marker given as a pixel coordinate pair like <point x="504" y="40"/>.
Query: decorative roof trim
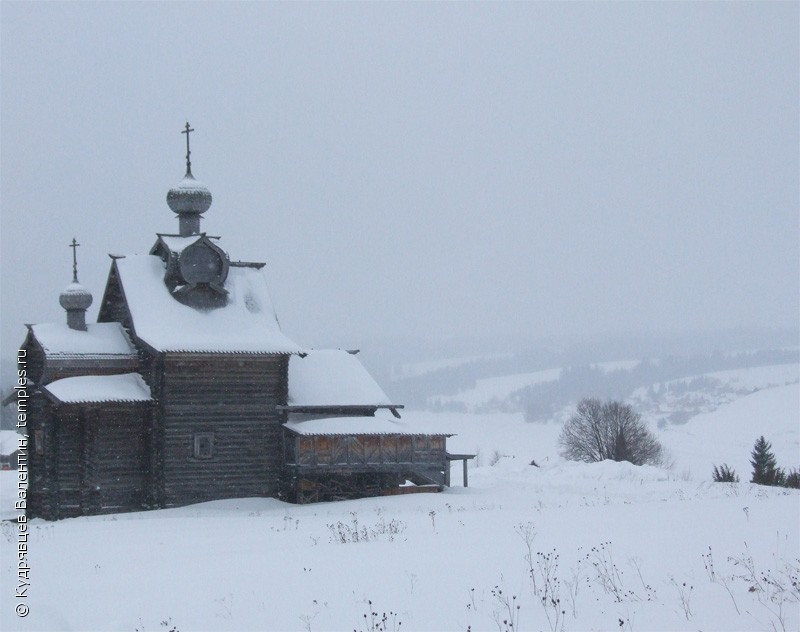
<point x="291" y="408"/>
<point x="94" y="357"/>
<point x="396" y="433"/>
<point x="225" y="351"/>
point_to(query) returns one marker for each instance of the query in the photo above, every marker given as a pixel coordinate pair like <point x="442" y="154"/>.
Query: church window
<point x="204" y="445"/>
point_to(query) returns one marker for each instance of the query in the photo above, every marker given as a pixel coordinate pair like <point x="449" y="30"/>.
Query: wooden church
<point x="186" y="390"/>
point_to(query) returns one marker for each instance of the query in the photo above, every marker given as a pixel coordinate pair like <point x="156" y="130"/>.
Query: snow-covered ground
<point x="612" y="546"/>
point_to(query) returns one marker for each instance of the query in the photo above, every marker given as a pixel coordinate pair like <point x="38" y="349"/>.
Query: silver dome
<point x="189" y="196"/>
<point x="75" y="296"/>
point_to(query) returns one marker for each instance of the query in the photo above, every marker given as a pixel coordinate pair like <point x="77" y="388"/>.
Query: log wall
<point x="94" y="460"/>
<point x="233" y="397"/>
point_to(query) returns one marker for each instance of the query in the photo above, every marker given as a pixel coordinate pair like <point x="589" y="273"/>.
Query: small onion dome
<point x="75" y="296"/>
<point x="190" y="196"/>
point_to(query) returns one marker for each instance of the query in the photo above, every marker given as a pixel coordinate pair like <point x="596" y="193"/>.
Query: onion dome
<point x="75" y="296"/>
<point x="75" y="299"/>
<point x="189" y="196"/>
<point x="189" y="199"/>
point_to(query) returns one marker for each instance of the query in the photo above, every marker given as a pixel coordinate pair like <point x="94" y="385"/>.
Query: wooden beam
<point x="458" y="457"/>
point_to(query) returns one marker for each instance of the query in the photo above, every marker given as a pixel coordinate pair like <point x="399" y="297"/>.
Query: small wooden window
<point x="204" y="445"/>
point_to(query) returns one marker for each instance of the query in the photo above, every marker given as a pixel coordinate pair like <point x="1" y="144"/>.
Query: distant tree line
<point x="540" y="401"/>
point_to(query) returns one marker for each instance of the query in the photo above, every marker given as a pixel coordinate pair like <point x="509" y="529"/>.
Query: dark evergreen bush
<point x="765" y="468"/>
<point x="725" y="474"/>
<point x="793" y="479"/>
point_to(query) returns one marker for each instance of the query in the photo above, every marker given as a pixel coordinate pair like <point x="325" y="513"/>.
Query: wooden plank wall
<point x="94" y="461"/>
<point x="42" y="482"/>
<point x="34" y="361"/>
<point x="57" y="370"/>
<point x="69" y="449"/>
<point x="233" y="396"/>
<point x="115" y="458"/>
<point x="366" y="449"/>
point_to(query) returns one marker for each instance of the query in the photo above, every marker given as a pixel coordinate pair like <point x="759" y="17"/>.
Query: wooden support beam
<point x="458" y="457"/>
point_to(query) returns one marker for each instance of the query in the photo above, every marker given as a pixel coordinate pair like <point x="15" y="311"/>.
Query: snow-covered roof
<point x="332" y="378"/>
<point x="9" y="442"/>
<point x="379" y="425"/>
<point x="177" y="244"/>
<point x="99" y="339"/>
<point x="128" y="387"/>
<point x="246" y="324"/>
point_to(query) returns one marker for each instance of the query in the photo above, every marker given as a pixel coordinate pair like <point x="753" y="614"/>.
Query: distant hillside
<point x="539" y="388"/>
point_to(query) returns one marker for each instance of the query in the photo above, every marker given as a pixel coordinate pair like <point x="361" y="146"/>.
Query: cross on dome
<point x="188" y="153"/>
<point x="189" y="199"/>
<point x="74" y="245"/>
<point x="75" y="298"/>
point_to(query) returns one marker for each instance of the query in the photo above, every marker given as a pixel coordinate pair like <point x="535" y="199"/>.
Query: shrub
<point x="793" y="479"/>
<point x="608" y="430"/>
<point x="725" y="474"/>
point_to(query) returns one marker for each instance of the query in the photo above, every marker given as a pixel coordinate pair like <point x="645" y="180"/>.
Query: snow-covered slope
<point x="612" y="546"/>
<point x="493" y="389"/>
<point x="727" y="434"/>
<point x="679" y="400"/>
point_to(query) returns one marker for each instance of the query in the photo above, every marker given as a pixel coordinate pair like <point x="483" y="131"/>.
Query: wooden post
<point x="464" y="461"/>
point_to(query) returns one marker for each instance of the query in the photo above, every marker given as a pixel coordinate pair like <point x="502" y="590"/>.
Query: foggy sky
<point x="406" y="170"/>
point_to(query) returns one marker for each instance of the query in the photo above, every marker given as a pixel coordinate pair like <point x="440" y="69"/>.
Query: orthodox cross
<point x="188" y="162"/>
<point x="74" y="245"/>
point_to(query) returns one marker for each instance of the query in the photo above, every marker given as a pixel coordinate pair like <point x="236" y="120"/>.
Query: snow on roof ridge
<point x="126" y="387"/>
<point x="353" y="426"/>
<point x="99" y="339"/>
<point x="246" y="324"/>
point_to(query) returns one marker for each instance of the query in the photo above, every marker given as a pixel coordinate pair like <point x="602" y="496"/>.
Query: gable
<point x="113" y="307"/>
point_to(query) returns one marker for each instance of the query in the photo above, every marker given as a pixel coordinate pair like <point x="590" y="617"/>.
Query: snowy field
<point x="606" y="546"/>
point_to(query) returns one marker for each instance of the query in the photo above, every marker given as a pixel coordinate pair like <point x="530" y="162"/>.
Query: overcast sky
<point x="410" y="170"/>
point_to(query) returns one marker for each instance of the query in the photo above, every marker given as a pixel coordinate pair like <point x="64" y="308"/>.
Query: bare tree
<point x="608" y="430"/>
